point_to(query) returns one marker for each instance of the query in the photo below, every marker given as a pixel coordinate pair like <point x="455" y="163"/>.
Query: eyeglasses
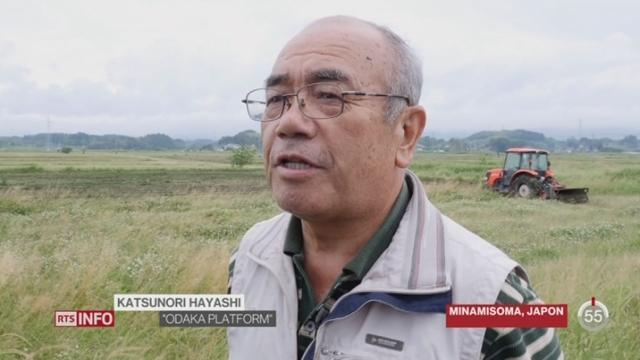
<point x="315" y="101"/>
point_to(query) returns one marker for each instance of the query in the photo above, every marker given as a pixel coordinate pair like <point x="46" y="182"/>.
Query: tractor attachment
<point x="574" y="196"/>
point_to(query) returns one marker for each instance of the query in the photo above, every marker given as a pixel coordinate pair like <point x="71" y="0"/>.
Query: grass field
<point x="77" y="228"/>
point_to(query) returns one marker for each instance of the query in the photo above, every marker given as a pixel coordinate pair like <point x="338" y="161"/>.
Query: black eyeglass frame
<point x="247" y="102"/>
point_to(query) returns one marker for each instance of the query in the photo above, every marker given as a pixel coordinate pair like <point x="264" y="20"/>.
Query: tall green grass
<point x="77" y="228"/>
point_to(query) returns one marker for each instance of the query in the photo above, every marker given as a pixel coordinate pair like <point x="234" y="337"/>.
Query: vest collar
<point x="414" y="262"/>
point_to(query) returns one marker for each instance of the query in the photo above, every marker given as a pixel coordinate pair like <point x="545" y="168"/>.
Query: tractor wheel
<point x="526" y="187"/>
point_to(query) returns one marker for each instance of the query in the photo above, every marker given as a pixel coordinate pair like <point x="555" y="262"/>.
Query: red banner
<point x="508" y="315"/>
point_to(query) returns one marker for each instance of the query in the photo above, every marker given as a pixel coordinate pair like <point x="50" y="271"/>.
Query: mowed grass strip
<point x="72" y="235"/>
<point x="133" y="182"/>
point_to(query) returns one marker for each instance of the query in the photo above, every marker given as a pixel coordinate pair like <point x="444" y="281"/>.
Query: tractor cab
<point x="534" y="162"/>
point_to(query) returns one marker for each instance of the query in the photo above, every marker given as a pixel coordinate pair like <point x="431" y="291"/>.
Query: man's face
<point x="337" y="168"/>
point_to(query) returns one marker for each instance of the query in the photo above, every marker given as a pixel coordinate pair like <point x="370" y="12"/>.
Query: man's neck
<point x="329" y="246"/>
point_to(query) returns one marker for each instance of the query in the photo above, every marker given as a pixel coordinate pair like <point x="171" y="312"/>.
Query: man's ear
<point x="409" y="128"/>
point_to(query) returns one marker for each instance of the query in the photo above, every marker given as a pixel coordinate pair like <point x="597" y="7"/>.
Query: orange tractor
<point x="526" y="173"/>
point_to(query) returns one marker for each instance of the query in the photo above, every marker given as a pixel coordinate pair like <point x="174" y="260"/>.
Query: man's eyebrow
<point x="275" y="80"/>
<point x="323" y="75"/>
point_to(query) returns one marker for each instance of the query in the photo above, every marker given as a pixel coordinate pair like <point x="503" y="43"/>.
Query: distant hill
<point x="244" y="138"/>
<point x="502" y="140"/>
<point x="521" y="135"/>
<point x="499" y="141"/>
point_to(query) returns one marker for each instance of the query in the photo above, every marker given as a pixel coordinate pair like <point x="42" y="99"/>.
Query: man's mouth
<point x="295" y="162"/>
<point x="296" y="165"/>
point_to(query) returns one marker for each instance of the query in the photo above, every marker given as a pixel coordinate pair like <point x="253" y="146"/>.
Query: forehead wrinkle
<point x="314" y="47"/>
<point x="355" y="52"/>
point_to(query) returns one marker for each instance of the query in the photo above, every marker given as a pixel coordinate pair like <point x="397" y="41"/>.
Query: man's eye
<point x="327" y="95"/>
<point x="274" y="99"/>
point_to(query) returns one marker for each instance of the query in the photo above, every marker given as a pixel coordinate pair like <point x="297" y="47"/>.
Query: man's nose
<point x="293" y="122"/>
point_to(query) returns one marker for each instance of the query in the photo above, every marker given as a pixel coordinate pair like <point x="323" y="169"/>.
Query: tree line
<point x="99" y="142"/>
<point x="494" y="141"/>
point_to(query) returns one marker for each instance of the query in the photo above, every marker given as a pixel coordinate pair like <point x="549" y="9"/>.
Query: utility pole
<point x="580" y="127"/>
<point x="48" y="134"/>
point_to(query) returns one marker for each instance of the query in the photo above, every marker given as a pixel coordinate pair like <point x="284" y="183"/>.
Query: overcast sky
<point x="181" y="67"/>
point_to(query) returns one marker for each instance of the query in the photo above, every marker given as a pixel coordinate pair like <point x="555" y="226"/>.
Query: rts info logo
<point x="84" y="318"/>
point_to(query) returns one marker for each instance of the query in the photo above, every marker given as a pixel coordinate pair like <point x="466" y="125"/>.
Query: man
<point x="361" y="264"/>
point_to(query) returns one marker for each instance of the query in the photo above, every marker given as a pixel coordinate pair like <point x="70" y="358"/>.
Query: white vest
<point x="397" y="312"/>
